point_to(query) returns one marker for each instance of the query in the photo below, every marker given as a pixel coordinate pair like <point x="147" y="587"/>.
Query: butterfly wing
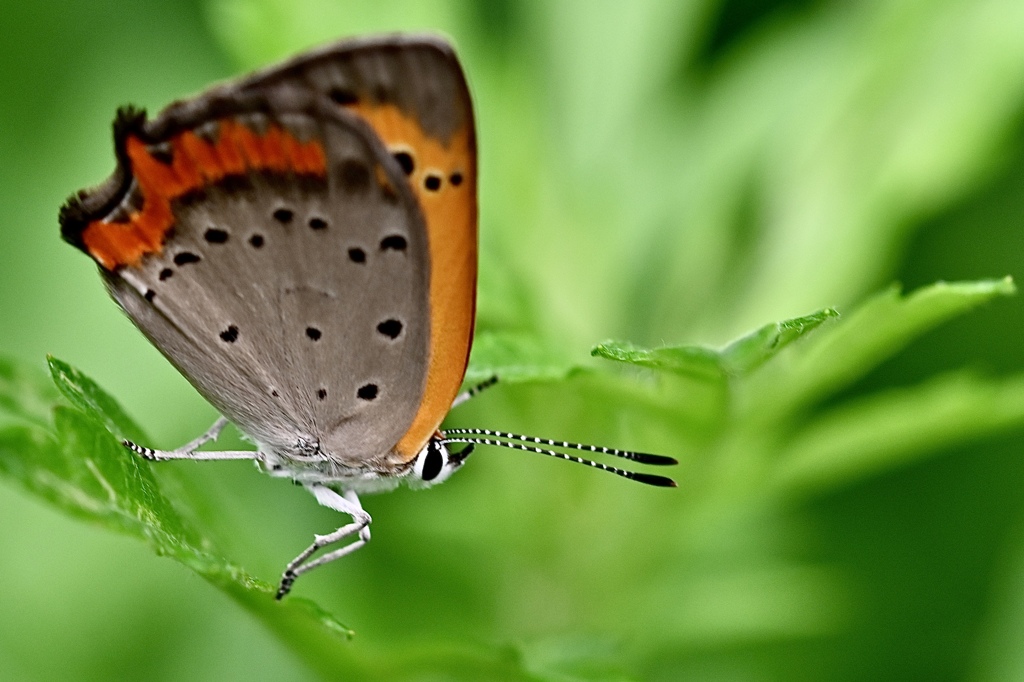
<point x="411" y="96"/>
<point x="279" y="260"/>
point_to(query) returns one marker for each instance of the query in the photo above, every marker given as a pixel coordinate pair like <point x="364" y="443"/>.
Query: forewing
<point x="412" y="92"/>
<point x="276" y="256"/>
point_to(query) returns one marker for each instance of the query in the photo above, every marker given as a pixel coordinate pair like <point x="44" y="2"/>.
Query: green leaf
<point x="697" y="362"/>
<point x="737" y="359"/>
<point x="876" y="331"/>
<point x="764" y="411"/>
<point x="79" y="466"/>
<point x="87" y="396"/>
<point x="24" y="394"/>
<point x="753" y="350"/>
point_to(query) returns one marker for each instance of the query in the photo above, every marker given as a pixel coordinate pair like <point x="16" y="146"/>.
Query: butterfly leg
<point x="211" y="434"/>
<point x="474" y="391"/>
<point x="188" y="450"/>
<point x="346" y="504"/>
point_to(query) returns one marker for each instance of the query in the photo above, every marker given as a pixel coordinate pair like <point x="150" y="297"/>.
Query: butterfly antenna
<point x="639" y="457"/>
<point x="649" y="479"/>
<point x="474" y="391"/>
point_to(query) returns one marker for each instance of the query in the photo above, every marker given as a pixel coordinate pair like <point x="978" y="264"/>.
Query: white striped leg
<point x="473" y="392"/>
<point x="188" y="450"/>
<point x="346" y="504"/>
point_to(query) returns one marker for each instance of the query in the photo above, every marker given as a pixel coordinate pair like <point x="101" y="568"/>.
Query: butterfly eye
<point x="434" y="464"/>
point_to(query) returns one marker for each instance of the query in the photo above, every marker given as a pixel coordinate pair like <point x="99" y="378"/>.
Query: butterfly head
<point x="435" y="463"/>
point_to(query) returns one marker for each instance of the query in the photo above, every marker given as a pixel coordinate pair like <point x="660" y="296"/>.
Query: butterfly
<point x="301" y="244"/>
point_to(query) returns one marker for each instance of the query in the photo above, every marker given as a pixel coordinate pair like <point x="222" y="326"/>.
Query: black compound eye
<point x="433" y="462"/>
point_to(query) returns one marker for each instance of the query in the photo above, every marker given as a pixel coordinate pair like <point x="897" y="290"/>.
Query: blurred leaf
<point x="577" y="657"/>
<point x="890" y="429"/>
<point x="516" y="358"/>
<point x="764" y="602"/>
<point x="875" y="331"/>
<point x="1001" y="657"/>
<point x="853" y="439"/>
<point x="258" y="31"/>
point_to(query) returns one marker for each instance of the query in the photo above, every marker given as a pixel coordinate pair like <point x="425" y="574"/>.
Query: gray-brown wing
<point x="418" y="74"/>
<point x="277" y="257"/>
<point x="412" y="92"/>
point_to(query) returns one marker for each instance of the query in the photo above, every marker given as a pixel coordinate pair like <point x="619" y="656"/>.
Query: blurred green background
<point x="657" y="171"/>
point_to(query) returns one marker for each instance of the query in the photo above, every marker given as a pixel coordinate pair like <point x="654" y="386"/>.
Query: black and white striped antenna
<point x="519" y="442"/>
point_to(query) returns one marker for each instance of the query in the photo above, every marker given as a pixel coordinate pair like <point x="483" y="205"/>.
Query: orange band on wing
<point x="195" y="163"/>
<point x="443" y="178"/>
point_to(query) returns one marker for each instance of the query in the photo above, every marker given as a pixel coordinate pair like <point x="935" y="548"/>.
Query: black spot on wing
<point x="343" y="96"/>
<point x="229" y="335"/>
<point x="186" y="257"/>
<point x="367" y="392"/>
<point x="394" y="241"/>
<point x="406" y="161"/>
<point x="390" y="328"/>
<point x="215" y="236"/>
